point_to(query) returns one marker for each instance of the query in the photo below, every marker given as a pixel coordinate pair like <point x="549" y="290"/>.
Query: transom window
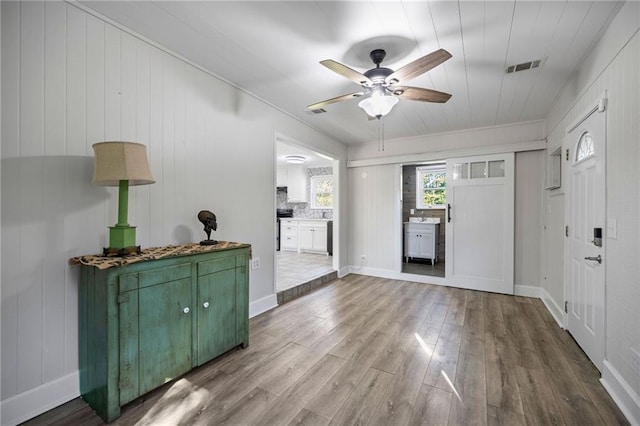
<point x="322" y="192"/>
<point x="431" y="186"/>
<point x="585" y="147"/>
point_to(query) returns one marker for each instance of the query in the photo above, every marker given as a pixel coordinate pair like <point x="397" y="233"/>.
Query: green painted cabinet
<point x="146" y="323"/>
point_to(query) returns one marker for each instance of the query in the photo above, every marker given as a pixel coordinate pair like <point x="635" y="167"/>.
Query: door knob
<point x="598" y="258"/>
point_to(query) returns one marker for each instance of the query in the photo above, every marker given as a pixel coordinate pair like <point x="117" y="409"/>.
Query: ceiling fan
<point x="382" y="86"/>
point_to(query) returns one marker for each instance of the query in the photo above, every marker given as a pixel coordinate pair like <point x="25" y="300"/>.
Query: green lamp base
<point x="122" y="236"/>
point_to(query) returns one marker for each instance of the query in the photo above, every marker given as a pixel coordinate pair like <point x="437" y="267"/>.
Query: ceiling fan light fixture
<point x="378" y="105"/>
<point x="295" y="159"/>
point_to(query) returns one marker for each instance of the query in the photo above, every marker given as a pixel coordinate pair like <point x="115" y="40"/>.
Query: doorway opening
<point x="306" y="207"/>
<point x="423" y="218"/>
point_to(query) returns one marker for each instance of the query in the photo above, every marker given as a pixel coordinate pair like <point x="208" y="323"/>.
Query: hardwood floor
<point x="366" y="350"/>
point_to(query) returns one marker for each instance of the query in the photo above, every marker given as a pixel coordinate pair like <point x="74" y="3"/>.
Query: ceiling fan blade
<point x="347" y="72"/>
<point x="420" y="94"/>
<point x="324" y="103"/>
<point x="419" y="66"/>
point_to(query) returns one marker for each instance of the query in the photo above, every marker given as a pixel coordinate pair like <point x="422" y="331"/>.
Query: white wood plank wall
<point x="69" y="79"/>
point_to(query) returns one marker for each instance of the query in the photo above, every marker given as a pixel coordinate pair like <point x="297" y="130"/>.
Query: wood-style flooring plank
<point x="432" y="407"/>
<point x="335" y="392"/>
<point x="364" y="400"/>
<point x="364" y="350"/>
<point x="404" y="389"/>
<point x="289" y="404"/>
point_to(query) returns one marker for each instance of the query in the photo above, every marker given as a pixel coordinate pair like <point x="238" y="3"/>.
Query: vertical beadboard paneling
<point x="529" y="180"/>
<point x="76" y="82"/>
<point x="54" y="172"/>
<point x="168" y="142"/>
<point x="30" y="180"/>
<point x="10" y="190"/>
<point x="128" y="87"/>
<point x="181" y="214"/>
<point x="32" y="83"/>
<point x="154" y="147"/>
<point x="142" y="135"/>
<point x="112" y="89"/>
<point x="95" y="132"/>
<point x="372" y="203"/>
<point x="55" y="78"/>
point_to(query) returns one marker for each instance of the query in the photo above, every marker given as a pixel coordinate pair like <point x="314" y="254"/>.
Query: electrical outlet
<point x="363" y="259"/>
<point x="255" y="263"/>
<point x="635" y="361"/>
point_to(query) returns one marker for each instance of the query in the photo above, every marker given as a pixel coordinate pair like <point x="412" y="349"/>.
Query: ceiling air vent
<point x="524" y="66"/>
<point x="317" y="111"/>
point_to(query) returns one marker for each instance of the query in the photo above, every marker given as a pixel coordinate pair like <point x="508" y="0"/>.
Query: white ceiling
<point x="272" y="50"/>
<point x="312" y="159"/>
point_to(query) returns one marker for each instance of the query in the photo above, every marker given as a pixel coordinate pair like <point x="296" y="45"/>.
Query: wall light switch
<point x="612" y="229"/>
<point x="412" y="211"/>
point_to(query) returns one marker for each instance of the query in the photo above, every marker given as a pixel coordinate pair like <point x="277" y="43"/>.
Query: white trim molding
<point x="527" y="291"/>
<point x="262" y="305"/>
<point x="441" y="155"/>
<point x="556" y="311"/>
<point x="31" y="403"/>
<point x="622" y="393"/>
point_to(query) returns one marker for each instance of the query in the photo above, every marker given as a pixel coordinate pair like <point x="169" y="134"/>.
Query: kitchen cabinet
<point x="297" y="184"/>
<point x="288" y="235"/>
<point x="313" y="236"/>
<point x="146" y="323"/>
<point x="421" y="241"/>
<point x="281" y="176"/>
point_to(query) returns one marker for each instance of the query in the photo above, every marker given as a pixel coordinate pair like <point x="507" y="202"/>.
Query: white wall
<point x="613" y="66"/>
<point x="374" y="210"/>
<point x="68" y="80"/>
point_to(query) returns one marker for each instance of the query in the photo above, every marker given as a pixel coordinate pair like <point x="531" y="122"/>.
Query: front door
<point x="479" y="223"/>
<point x="585" y="240"/>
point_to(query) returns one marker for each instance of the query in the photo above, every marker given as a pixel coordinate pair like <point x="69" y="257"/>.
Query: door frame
<point x="599" y="106"/>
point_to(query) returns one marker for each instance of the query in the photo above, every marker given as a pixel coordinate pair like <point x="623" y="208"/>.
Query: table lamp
<point x="121" y="164"/>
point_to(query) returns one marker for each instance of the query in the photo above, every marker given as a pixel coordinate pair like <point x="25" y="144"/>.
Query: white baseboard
<point x="556" y="311"/>
<point x="621" y="392"/>
<point x="527" y="291"/>
<point x="31" y="403"/>
<point x="262" y="305"/>
<point x="344" y="271"/>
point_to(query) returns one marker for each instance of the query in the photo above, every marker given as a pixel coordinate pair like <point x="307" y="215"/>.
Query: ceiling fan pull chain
<point x="380" y="134"/>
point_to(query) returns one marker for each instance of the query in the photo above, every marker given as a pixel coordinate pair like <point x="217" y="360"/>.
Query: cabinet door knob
<point x="205" y="304"/>
<point x="186" y="310"/>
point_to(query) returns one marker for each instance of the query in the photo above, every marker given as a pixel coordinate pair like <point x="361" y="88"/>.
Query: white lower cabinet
<point x="288" y="235"/>
<point x="303" y="235"/>
<point x="313" y="236"/>
<point x="421" y="241"/>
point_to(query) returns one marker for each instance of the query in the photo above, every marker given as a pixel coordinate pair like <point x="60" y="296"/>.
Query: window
<point x="430" y="186"/>
<point x="322" y="192"/>
<point x="585" y="147"/>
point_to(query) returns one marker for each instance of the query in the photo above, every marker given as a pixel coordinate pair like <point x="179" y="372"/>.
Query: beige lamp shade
<point x="116" y="161"/>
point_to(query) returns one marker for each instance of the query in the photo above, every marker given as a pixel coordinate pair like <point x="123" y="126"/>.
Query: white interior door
<point x="585" y="207"/>
<point x="479" y="221"/>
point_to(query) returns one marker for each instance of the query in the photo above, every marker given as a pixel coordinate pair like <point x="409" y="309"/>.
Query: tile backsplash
<point x="303" y="210"/>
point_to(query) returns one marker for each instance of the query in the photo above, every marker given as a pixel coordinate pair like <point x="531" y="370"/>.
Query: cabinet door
<point x="216" y="314"/>
<point x="165" y="315"/>
<point x="320" y="239"/>
<point x="297" y="184"/>
<point x="306" y="238"/>
<point x="426" y="245"/>
<point x="413" y="243"/>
